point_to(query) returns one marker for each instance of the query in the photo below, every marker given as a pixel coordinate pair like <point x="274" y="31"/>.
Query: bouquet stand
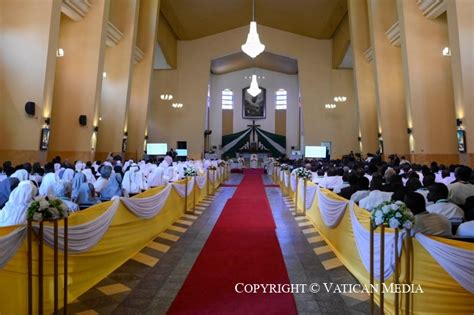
<point x="41" y="265"/>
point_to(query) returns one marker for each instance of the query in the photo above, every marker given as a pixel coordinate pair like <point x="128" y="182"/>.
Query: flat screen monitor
<point x="156" y="148"/>
<point x="317" y="152"/>
<point x="182" y="152"/>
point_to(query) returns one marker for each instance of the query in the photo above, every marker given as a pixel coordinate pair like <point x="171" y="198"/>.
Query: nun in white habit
<point x="155" y="178"/>
<point x="21" y="175"/>
<point x="133" y="181"/>
<point x="47" y="184"/>
<point x="14" y="211"/>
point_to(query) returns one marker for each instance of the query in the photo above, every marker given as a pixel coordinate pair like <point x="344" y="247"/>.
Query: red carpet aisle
<point x="242" y="248"/>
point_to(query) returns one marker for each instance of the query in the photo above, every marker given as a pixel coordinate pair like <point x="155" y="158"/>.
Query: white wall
<point x="273" y="81"/>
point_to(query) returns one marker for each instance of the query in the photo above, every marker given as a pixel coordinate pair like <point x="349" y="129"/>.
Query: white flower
<point x="395" y="206"/>
<point x="54" y="213"/>
<point x="378" y="214"/>
<point x="378" y="221"/>
<point x="398" y="215"/>
<point x="38" y="198"/>
<point x="400" y="203"/>
<point x="44" y="204"/>
<point x="393" y="223"/>
<point x="386" y="209"/>
<point x="407" y="224"/>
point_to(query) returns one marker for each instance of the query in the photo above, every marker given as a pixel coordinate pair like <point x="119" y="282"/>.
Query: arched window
<point x="281" y="96"/>
<point x="227" y="99"/>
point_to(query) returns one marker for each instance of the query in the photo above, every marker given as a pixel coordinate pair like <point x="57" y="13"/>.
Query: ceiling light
<point x="166" y="97"/>
<point x="330" y="106"/>
<point x="340" y="99"/>
<point x="177" y="105"/>
<point x="253" y="47"/>
<point x="60" y="53"/>
<point x="104" y="74"/>
<point x="446" y="51"/>
<point x="254" y="90"/>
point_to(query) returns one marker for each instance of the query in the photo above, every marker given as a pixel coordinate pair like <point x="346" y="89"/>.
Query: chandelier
<point x="253" y="47"/>
<point x="177" y="105"/>
<point x="330" y="106"/>
<point x="254" y="90"/>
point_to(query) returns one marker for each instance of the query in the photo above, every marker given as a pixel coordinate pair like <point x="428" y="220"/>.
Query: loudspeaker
<point x="182" y="144"/>
<point x="83" y="120"/>
<point x="30" y="108"/>
<point x="207" y="132"/>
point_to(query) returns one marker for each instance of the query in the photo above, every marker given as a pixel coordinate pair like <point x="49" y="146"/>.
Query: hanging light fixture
<point x="254" y="90"/>
<point x="253" y="47"/>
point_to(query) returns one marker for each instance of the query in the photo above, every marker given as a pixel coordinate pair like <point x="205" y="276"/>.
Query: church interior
<point x="236" y="157"/>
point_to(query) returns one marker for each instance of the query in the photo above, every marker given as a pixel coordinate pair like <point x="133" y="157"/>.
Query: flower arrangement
<point x="46" y="208"/>
<point x="303" y="173"/>
<point x="212" y="168"/>
<point x="190" y="171"/>
<point x="284" y="167"/>
<point x="392" y="214"/>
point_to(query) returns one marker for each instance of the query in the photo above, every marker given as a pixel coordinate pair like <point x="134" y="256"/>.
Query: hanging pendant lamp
<point x="253" y="47"/>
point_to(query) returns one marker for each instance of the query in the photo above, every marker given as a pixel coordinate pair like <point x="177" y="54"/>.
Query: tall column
<point x="363" y="75"/>
<point x="78" y="83"/>
<point x="27" y="62"/>
<point x="141" y="80"/>
<point x="116" y="84"/>
<point x="388" y="74"/>
<point x="428" y="84"/>
<point x="461" y="42"/>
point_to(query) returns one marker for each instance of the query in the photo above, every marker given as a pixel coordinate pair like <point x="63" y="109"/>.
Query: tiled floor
<point x="149" y="281"/>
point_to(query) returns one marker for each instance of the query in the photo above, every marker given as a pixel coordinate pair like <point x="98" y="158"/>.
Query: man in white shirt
<point x="438" y="194"/>
<point x="466" y="229"/>
<point x="425" y="222"/>
<point x="462" y="189"/>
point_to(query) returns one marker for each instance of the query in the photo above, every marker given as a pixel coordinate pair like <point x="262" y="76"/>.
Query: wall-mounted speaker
<point x="30" y="108"/>
<point x="207" y="132"/>
<point x="83" y="120"/>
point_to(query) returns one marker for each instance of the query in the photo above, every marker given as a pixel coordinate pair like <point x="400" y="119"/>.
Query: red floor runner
<point x="242" y="248"/>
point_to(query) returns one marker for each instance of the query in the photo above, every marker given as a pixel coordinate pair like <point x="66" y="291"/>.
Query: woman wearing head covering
<point x="21" y="175"/>
<point x="61" y="191"/>
<point x="15" y="209"/>
<point x="113" y="188"/>
<point x="79" y="179"/>
<point x="89" y="175"/>
<point x="105" y="172"/>
<point x="6" y="188"/>
<point x="133" y="182"/>
<point x="86" y="196"/>
<point x="47" y="184"/>
<point x="67" y="175"/>
<point x="155" y="178"/>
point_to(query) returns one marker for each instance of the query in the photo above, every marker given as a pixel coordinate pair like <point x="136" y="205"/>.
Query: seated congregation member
<point x="49" y="179"/>
<point x="14" y="211"/>
<point x="155" y="178"/>
<point x="466" y="229"/>
<point x="376" y="196"/>
<point x="133" y="182"/>
<point x="438" y="195"/>
<point x="113" y="188"/>
<point x="362" y="189"/>
<point x="462" y="188"/>
<point x="6" y="187"/>
<point x="397" y="188"/>
<point x="21" y="175"/>
<point x="348" y="191"/>
<point x="79" y="179"/>
<point x="332" y="179"/>
<point x="425" y="222"/>
<point x="318" y="178"/>
<point x="62" y="191"/>
<point x="37" y="173"/>
<point x="345" y="183"/>
<point x="428" y="180"/>
<point x="86" y="196"/>
<point x="89" y="172"/>
<point x="105" y="172"/>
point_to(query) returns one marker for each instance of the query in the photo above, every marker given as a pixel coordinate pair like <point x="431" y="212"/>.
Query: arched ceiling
<point x="265" y="60"/>
<point x="192" y="19"/>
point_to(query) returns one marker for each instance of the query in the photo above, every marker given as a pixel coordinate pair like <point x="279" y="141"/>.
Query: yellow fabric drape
<point x="442" y="294"/>
<point x="126" y="236"/>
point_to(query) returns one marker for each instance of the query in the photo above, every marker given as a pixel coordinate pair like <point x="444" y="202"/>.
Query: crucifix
<point x="254" y="130"/>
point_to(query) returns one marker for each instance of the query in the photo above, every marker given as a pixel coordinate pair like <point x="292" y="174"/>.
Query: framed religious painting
<point x="44" y="141"/>
<point x="254" y="107"/>
<point x="461" y="134"/>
